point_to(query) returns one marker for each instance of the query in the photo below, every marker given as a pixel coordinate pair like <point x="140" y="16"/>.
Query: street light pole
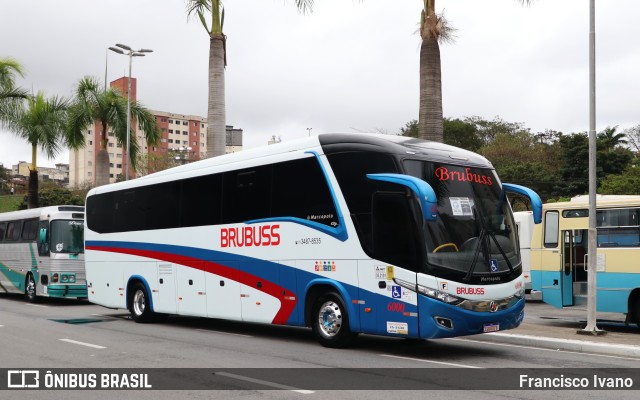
<point x="131" y="53"/>
<point x="592" y="327"/>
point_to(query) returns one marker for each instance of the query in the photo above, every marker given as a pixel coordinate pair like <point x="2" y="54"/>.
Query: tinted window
<point x="13" y="230"/>
<point x="246" y="194"/>
<point x="351" y="171"/>
<point x="200" y="201"/>
<point x="30" y="229"/>
<point x="300" y="190"/>
<point x="575" y="213"/>
<point x="3" y="227"/>
<point x="395" y="239"/>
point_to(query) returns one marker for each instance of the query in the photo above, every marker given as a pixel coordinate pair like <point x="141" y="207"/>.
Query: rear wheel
<point x="139" y="305"/>
<point x="331" y="322"/>
<point x="30" y="289"/>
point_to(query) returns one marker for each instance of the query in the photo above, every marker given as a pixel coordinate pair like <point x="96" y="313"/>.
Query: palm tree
<point x="9" y="94"/>
<point x="433" y="29"/>
<point x="609" y="139"/>
<point x="40" y="121"/>
<point x="216" y="118"/>
<point x="109" y="108"/>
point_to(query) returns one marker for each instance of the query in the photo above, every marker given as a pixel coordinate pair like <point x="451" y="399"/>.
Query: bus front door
<point x="573" y="262"/>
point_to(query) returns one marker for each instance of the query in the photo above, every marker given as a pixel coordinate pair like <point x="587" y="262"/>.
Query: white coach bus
<point x="42" y="252"/>
<point x="344" y="233"/>
<point x="524" y="222"/>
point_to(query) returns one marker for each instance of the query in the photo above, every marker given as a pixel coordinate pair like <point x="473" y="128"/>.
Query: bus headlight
<point x="54" y="278"/>
<point x="438" y="295"/>
<point x="68" y="278"/>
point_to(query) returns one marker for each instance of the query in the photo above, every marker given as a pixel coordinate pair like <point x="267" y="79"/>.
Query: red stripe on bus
<point x="270" y="288"/>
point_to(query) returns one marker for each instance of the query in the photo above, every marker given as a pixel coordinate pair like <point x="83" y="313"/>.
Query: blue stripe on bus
<point x="299" y="282"/>
<point x="613" y="289"/>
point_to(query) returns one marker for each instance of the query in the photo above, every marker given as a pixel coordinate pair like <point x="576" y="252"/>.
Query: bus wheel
<point x="331" y="322"/>
<point x="139" y="304"/>
<point x="30" y="289"/>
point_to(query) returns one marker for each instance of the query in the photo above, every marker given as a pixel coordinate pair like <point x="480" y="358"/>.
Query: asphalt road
<point x="80" y="335"/>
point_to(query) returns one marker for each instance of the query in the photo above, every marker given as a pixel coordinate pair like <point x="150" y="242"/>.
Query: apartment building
<point x="183" y="138"/>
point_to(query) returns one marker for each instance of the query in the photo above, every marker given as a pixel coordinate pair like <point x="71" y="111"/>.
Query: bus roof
<point x="601" y="201"/>
<point x="37" y="212"/>
<point x="327" y="143"/>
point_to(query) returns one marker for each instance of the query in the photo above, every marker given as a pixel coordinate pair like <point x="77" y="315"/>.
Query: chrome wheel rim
<point x="329" y="319"/>
<point x="139" y="302"/>
<point x="31" y="288"/>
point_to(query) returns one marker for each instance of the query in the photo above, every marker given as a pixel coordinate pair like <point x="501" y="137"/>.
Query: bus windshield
<point x="67" y="236"/>
<point x="474" y="236"/>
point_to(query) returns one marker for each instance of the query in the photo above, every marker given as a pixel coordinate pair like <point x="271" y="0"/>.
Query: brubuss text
<point x="572" y="382"/>
<point x="443" y="174"/>
<point x="248" y="236"/>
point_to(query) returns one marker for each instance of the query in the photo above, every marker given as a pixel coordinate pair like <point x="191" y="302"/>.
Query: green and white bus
<point x="42" y="252"/>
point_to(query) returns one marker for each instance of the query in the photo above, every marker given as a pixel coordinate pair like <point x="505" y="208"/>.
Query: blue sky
<point x="350" y="66"/>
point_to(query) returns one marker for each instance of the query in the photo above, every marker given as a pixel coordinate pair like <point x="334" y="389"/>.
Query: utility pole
<point x="591" y="328"/>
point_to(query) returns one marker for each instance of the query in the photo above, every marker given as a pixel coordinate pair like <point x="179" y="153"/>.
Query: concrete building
<point x="59" y="174"/>
<point x="183" y="138"/>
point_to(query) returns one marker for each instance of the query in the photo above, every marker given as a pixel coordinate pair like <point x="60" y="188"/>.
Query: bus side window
<point x="300" y="190"/>
<point x="246" y="194"/>
<point x="13" y="230"/>
<point x="30" y="229"/>
<point x="3" y="227"/>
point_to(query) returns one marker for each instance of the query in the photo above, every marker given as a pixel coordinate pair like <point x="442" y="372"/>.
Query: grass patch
<point x="10" y="203"/>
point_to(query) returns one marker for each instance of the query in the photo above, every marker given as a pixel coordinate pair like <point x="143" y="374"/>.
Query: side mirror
<point x="536" y="203"/>
<point x="43" y="235"/>
<point x="425" y="193"/>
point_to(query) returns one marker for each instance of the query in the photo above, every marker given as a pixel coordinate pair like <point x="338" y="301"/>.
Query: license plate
<point x="491" y="327"/>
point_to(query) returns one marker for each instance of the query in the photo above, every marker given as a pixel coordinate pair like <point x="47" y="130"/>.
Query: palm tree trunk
<point x="32" y="198"/>
<point x="216" y="130"/>
<point x="102" y="158"/>
<point x="430" y="126"/>
<point x="32" y="201"/>
<point x="102" y="167"/>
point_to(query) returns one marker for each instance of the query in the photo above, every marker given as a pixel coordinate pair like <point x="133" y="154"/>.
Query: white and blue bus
<point x="344" y="233"/>
<point x="42" y="252"/>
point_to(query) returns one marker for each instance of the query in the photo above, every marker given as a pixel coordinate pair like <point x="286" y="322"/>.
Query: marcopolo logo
<point x="248" y="236"/>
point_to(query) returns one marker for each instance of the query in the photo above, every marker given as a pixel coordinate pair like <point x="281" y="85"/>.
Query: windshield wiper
<point x="502" y="252"/>
<point x="483" y="239"/>
<point x="476" y="253"/>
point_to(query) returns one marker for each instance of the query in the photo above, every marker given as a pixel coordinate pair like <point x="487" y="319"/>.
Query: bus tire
<point x="30" y="289"/>
<point x="139" y="305"/>
<point x="331" y="322"/>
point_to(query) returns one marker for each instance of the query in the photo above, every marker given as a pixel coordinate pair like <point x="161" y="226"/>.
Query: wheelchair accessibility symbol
<point x="493" y="263"/>
<point x="396" y="292"/>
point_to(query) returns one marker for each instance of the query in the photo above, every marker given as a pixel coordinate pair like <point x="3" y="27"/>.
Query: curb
<point x="581" y="346"/>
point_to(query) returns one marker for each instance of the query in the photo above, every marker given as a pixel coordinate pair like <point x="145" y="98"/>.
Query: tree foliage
<point x="554" y="164"/>
<point x="54" y="196"/>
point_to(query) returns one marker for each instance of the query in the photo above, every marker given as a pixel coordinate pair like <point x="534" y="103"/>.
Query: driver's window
<point x="43" y="238"/>
<point x="395" y="237"/>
